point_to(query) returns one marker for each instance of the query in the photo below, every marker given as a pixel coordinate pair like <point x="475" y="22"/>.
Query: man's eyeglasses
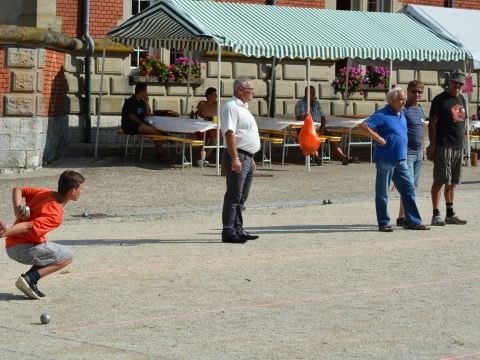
<point x="416" y="91"/>
<point x="245" y="88"/>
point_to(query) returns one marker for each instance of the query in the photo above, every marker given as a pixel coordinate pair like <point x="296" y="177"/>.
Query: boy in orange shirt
<point x="26" y="241"/>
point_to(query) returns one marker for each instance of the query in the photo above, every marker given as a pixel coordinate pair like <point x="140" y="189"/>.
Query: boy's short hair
<point x="415" y="84"/>
<point x="69" y="180"/>
<point x="140" y="87"/>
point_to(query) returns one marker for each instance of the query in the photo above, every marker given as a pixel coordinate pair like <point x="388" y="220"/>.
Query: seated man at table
<point x="319" y="117"/>
<point x="134" y="111"/>
<point x="207" y="110"/>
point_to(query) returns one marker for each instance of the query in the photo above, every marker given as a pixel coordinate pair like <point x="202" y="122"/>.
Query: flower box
<point x="156" y="80"/>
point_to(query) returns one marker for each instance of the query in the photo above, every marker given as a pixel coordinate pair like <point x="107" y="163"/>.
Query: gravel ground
<point x="154" y="282"/>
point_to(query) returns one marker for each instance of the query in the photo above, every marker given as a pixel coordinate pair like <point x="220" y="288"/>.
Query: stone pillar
<point x="22" y="128"/>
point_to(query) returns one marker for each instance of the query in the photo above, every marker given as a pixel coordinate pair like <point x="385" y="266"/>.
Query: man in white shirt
<point x="240" y="132"/>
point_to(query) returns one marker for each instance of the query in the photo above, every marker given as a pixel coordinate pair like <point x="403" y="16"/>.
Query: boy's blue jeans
<point x="399" y="173"/>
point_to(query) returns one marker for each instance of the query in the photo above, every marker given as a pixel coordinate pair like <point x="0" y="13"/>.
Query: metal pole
<point x="347" y="77"/>
<point x="88" y="70"/>
<point x="219" y="67"/>
<point x="307" y="158"/>
<point x="391" y="73"/>
<point x="99" y="112"/>
<point x="185" y="112"/>
<point x="272" y="98"/>
<point x="467" y="113"/>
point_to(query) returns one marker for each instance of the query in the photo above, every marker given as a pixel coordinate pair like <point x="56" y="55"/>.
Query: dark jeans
<point x="399" y="173"/>
<point x="238" y="187"/>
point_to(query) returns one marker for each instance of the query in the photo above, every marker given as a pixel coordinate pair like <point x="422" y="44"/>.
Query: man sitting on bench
<point x="134" y="111"/>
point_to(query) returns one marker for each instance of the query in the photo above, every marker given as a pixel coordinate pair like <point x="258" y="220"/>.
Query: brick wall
<point x="103" y="16"/>
<point x="299" y="3"/>
<point x="465" y="4"/>
<point x="302" y="3"/>
<point x="54" y="84"/>
<point x="71" y="13"/>
<point x="4" y="79"/>
<point x="425" y="2"/>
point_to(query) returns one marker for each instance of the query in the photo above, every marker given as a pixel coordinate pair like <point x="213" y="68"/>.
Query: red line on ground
<point x="462" y="356"/>
<point x="266" y="305"/>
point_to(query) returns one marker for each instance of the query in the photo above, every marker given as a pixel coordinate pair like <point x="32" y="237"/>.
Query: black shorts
<point x="130" y="127"/>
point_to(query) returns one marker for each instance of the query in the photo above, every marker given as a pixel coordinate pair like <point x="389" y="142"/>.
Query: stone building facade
<point x="42" y="81"/>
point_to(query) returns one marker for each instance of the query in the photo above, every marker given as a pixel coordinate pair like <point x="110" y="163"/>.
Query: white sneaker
<point x="437" y="221"/>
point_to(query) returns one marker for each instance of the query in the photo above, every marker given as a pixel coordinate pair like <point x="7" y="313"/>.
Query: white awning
<point x="460" y="26"/>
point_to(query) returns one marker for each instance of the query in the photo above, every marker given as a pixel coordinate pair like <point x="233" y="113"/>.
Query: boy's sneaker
<point x="26" y="286"/>
<point x="437" y="221"/>
<point x="454" y="220"/>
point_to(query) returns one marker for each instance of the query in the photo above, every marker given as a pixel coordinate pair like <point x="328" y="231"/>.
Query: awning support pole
<point x="188" y="83"/>
<point x="467" y="113"/>
<point x="99" y="114"/>
<point x="391" y="74"/>
<point x="219" y="67"/>
<point x="345" y="97"/>
<point x="272" y="97"/>
<point x="307" y="158"/>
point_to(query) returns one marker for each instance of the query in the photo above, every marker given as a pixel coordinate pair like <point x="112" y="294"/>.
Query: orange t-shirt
<point x="45" y="215"/>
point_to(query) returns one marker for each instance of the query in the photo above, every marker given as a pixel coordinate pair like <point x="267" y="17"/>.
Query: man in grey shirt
<point x="243" y="141"/>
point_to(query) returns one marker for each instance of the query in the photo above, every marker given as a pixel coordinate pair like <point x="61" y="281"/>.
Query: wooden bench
<point x="349" y="134"/>
<point x="185" y="143"/>
<point x="267" y="148"/>
<point x="134" y="138"/>
<point x="187" y="158"/>
<point x="474" y="140"/>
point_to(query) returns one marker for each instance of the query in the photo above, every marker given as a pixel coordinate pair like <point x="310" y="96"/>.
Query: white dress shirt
<point x="237" y="118"/>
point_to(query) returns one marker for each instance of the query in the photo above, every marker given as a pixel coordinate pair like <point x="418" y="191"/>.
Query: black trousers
<point x="238" y="187"/>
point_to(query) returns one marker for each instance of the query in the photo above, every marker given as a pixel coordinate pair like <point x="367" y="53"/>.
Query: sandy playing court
<point x="153" y="281"/>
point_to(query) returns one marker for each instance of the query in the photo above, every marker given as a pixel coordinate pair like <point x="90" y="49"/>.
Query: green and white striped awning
<point x="284" y="32"/>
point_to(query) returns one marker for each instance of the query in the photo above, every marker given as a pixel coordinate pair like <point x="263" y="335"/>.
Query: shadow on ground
<point x="307" y="229"/>
<point x="132" y="242"/>
<point x="10" y="297"/>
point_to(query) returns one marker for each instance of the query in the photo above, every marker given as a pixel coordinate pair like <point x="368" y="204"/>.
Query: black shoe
<point x="385" y="228"/>
<point x="25" y="285"/>
<point x="248" y="236"/>
<point x="318" y="161"/>
<point x="416" y="227"/>
<point x="401" y="222"/>
<point x="233" y="240"/>
<point x="37" y="290"/>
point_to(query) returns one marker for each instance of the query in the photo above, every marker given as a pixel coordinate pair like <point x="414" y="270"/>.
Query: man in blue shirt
<point x="415" y="124"/>
<point x="388" y="128"/>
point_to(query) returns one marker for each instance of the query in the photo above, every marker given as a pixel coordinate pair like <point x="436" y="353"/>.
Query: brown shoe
<point x="385" y="228"/>
<point x="455" y="220"/>
<point x="417" y="227"/>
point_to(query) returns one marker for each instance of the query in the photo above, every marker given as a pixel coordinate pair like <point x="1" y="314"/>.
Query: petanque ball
<point x="325" y="202"/>
<point x="44" y="319"/>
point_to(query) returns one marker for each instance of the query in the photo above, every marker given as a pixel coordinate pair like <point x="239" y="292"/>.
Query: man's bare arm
<point x="373" y="134"/>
